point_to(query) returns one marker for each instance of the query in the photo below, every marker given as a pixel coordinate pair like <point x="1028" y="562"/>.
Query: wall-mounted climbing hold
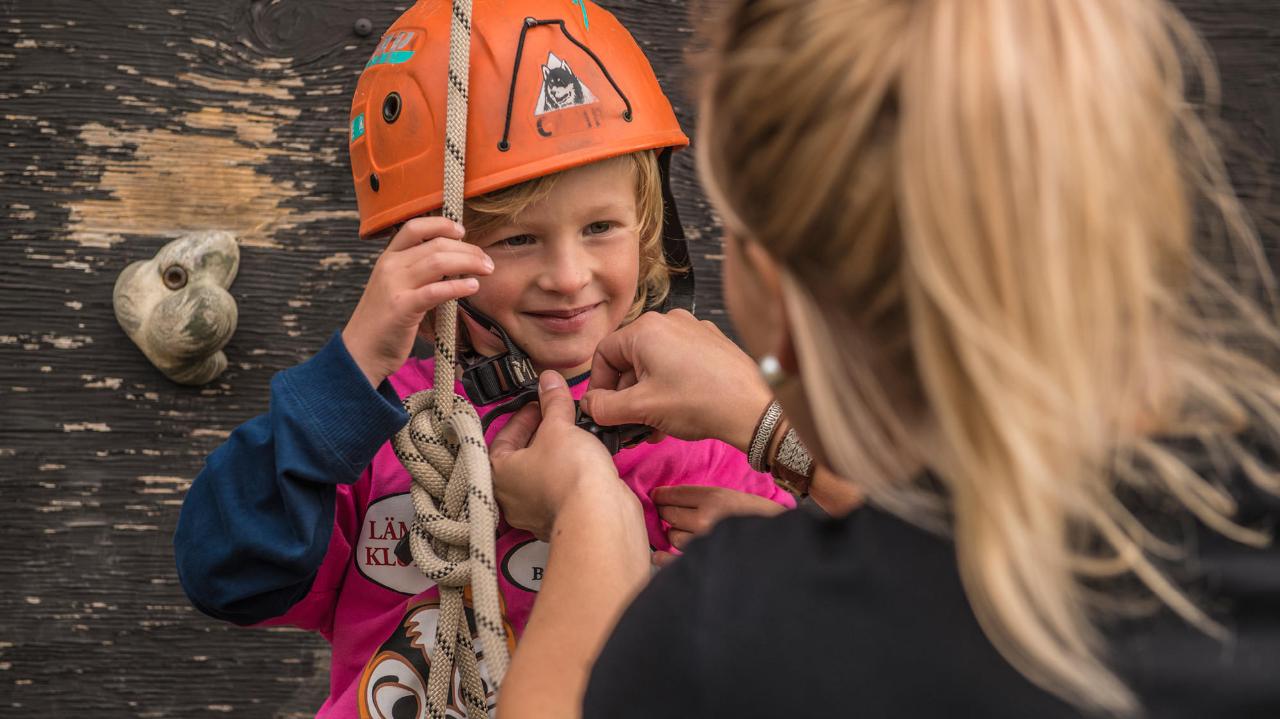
<point x="176" y="308"/>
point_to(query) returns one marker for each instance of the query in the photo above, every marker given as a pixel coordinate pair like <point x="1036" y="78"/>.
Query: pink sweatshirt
<point x="379" y="615"/>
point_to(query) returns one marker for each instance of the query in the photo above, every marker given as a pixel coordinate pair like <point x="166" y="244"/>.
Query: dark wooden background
<point x="125" y="124"/>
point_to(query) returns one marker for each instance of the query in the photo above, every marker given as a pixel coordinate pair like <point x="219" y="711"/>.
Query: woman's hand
<point x="544" y="464"/>
<point x="558" y="482"/>
<point x="679" y="375"/>
<point x="407" y="282"/>
<point x="692" y="510"/>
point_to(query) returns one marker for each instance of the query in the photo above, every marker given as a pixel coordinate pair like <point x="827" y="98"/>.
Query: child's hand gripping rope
<point x="417" y="272"/>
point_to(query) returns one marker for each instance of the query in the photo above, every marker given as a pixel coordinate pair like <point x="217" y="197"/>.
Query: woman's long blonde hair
<point x="985" y="211"/>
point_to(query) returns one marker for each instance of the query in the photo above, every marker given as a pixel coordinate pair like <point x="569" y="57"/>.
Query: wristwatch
<point x="791" y="464"/>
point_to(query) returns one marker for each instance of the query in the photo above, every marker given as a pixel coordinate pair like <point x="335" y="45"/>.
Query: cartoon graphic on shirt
<point x="394" y="682"/>
<point x="561" y="88"/>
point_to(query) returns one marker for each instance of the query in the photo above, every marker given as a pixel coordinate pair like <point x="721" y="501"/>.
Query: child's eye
<point x="517" y="241"/>
<point x="599" y="228"/>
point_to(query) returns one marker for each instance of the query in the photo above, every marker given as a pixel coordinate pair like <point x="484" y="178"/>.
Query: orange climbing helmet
<point x="554" y="84"/>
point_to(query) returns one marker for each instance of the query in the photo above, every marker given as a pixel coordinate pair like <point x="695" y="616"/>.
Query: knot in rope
<point x="440" y="447"/>
<point x="452" y="540"/>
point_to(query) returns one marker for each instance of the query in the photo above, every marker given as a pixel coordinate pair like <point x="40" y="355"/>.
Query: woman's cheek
<point x="742" y="299"/>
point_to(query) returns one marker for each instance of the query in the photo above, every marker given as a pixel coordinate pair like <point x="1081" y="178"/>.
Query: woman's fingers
<point x="614" y="355"/>
<point x="555" y="400"/>
<point x="517" y="433"/>
<point x="611" y="408"/>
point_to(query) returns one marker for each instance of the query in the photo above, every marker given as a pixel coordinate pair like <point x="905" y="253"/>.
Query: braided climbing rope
<point x="442" y="447"/>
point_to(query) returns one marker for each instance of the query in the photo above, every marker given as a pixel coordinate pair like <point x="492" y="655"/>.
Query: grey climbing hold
<point x="176" y="308"/>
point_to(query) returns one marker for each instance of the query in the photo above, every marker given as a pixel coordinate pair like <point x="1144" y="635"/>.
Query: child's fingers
<point x="679" y="538"/>
<point x="435" y="245"/>
<point x="440" y="265"/>
<point x="683" y="518"/>
<point x="662" y="559"/>
<point x="420" y="229"/>
<point x="681" y="495"/>
<point x="434" y="294"/>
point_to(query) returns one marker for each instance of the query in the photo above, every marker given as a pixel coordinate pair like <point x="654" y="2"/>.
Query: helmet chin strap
<point x="493" y="379"/>
<point x="511" y="379"/>
<point x="681" y="295"/>
<point x="510" y="376"/>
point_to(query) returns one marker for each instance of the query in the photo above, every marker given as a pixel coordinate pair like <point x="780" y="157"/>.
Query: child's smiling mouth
<point x="564" y="321"/>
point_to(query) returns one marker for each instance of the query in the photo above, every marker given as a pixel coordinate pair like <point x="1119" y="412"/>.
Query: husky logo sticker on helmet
<point x="561" y="88"/>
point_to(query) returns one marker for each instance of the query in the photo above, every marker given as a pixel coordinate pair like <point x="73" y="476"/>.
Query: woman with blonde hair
<point x="960" y="239"/>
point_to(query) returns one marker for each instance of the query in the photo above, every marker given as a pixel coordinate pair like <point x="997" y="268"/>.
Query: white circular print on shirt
<point x="525" y="563"/>
<point x="386" y="522"/>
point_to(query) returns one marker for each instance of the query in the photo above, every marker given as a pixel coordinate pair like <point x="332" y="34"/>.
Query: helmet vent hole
<point x="391" y="108"/>
<point x="374" y="184"/>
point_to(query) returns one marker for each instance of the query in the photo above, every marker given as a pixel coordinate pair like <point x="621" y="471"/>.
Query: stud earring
<point x="772" y="372"/>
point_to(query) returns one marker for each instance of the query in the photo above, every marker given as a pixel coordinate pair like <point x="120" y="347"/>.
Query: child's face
<point x="565" y="271"/>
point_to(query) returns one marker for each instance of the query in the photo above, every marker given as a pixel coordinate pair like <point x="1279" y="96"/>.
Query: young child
<point x="297" y="517"/>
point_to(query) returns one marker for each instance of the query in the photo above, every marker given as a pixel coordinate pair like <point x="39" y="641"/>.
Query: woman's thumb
<point x="554" y="398"/>
<point x="604" y="406"/>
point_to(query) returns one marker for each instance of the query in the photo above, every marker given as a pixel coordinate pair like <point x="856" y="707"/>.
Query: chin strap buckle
<point x="510" y="379"/>
<point x="493" y="379"/>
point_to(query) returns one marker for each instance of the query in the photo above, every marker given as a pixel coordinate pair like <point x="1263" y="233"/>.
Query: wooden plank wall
<point x="126" y="124"/>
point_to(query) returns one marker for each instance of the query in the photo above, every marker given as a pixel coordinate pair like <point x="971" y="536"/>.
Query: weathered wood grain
<point x="125" y="125"/>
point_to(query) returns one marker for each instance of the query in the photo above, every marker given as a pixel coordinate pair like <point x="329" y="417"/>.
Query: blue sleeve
<point x="256" y="522"/>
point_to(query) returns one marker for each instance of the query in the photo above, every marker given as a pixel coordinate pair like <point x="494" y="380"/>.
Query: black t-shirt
<point x="801" y="616"/>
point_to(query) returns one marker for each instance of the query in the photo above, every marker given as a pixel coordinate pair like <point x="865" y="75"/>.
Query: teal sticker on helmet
<point x="586" y="24"/>
<point x="357" y="127"/>
<point x="389" y="58"/>
<point x="394" y="49"/>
